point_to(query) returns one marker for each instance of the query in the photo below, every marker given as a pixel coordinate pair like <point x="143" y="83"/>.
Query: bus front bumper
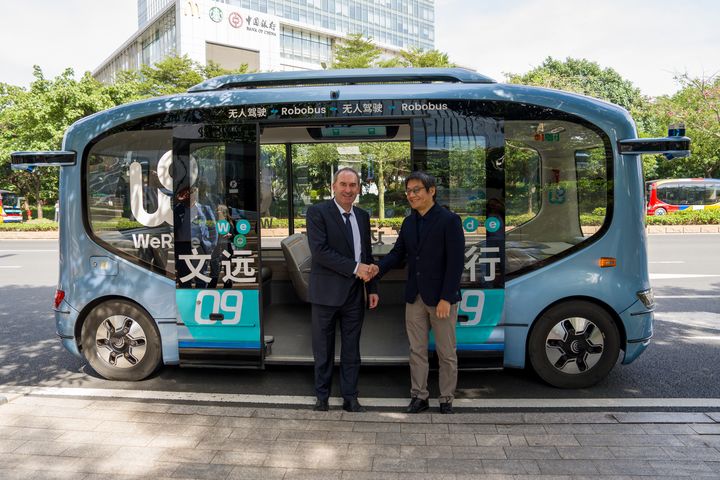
<point x="638" y="322"/>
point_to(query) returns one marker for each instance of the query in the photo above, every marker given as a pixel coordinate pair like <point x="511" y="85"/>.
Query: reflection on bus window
<point x="557" y="188"/>
<point x="129" y="193"/>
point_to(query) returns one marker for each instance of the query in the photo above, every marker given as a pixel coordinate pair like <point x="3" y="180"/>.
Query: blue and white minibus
<point x="182" y="237"/>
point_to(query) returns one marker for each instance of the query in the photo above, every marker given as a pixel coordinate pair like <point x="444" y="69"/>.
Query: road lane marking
<point x="10" y="266"/>
<point x="671" y="276"/>
<point x="687" y="296"/>
<point x="29" y="251"/>
<point x="297" y="400"/>
<point x="670" y="261"/>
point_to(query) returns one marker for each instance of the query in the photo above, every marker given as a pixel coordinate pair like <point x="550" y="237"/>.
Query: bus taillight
<point x="59" y="296"/>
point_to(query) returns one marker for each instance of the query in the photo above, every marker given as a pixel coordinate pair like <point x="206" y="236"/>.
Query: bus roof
<point x="351" y="76"/>
<point x="356" y="85"/>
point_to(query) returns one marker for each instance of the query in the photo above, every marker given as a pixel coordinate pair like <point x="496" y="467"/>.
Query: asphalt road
<point x="682" y="361"/>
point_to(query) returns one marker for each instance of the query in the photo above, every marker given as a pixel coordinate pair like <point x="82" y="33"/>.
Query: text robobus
<point x="677" y="194"/>
<point x="182" y="241"/>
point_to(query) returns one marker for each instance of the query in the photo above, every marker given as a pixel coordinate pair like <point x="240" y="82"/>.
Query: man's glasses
<point x="414" y="191"/>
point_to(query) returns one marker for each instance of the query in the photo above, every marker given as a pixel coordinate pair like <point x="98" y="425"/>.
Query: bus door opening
<point x="465" y="154"/>
<point x="217" y="245"/>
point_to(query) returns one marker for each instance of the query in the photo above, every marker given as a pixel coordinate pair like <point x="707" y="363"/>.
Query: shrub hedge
<point x="687" y="217"/>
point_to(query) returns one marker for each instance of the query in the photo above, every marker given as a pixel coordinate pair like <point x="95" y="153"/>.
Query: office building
<point x="267" y="35"/>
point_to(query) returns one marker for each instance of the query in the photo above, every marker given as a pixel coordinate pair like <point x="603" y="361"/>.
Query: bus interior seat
<point x="296" y="250"/>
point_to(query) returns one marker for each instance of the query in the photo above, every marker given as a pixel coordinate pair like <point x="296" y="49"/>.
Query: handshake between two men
<point x="367" y="272"/>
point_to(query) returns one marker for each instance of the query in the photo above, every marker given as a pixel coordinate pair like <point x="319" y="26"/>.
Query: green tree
<point x="419" y="58"/>
<point x="389" y="161"/>
<point x="359" y="52"/>
<point x="175" y="75"/>
<point x="697" y="105"/>
<point x="36" y="119"/>
<point x="585" y="77"/>
<point x="355" y="52"/>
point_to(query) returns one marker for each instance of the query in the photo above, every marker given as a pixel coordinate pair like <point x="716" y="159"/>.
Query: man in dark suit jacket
<point x="432" y="242"/>
<point x="339" y="238"/>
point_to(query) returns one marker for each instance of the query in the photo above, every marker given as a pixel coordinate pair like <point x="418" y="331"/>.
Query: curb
<point x="10" y="235"/>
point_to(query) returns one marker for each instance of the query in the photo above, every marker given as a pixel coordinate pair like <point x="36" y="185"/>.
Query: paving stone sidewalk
<point x="67" y="438"/>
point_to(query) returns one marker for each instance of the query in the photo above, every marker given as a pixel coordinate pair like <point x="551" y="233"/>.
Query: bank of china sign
<point x="249" y="22"/>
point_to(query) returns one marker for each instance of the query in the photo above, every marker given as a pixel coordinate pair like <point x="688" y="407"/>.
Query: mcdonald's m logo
<point x="191" y="8"/>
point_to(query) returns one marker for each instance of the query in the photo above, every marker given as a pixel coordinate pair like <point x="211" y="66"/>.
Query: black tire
<point x="120" y="341"/>
<point x="574" y="345"/>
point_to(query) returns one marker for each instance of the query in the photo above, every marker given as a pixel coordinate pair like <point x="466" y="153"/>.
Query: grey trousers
<point x="419" y="319"/>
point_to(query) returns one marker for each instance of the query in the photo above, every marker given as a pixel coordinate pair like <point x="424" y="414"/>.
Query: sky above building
<point x="647" y="42"/>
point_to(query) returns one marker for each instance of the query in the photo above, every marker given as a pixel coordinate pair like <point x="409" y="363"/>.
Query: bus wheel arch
<point x="575" y="342"/>
<point x="119" y="339"/>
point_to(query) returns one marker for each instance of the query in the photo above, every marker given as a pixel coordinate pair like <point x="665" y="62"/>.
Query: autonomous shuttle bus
<point x="182" y="237"/>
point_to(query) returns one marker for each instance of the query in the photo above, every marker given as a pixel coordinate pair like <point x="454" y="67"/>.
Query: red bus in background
<point x="675" y="194"/>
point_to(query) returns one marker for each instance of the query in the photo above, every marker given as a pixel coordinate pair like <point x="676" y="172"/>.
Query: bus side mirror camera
<point x="675" y="145"/>
<point x="676" y="130"/>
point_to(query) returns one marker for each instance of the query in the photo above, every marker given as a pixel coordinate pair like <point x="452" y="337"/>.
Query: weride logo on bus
<point x="164" y="213"/>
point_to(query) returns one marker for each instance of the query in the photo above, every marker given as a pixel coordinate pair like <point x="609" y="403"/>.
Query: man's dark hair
<point x="346" y="169"/>
<point x="426" y="179"/>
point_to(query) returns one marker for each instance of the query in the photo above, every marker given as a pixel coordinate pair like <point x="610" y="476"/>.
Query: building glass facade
<point x="269" y="35"/>
<point x="397" y="23"/>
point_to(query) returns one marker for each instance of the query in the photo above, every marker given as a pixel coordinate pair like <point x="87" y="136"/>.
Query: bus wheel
<point x="660" y="211"/>
<point x="574" y="345"/>
<point x="120" y="341"/>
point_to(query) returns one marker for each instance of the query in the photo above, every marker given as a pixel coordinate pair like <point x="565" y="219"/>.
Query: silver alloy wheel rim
<point x="574" y="345"/>
<point x="120" y="341"/>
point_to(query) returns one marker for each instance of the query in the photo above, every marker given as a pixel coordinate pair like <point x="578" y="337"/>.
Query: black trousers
<point x="324" y="318"/>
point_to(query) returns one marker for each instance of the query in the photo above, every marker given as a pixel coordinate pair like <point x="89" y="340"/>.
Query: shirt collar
<point x="342" y="210"/>
<point x="428" y="214"/>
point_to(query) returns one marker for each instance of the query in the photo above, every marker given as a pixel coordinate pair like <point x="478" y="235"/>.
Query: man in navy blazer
<point x="339" y="238"/>
<point x="432" y="242"/>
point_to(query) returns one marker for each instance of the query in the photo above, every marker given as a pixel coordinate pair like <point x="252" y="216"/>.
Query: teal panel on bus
<point x="240" y="323"/>
<point x="483" y="309"/>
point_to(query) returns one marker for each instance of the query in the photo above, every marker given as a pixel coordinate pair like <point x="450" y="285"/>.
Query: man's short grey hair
<point x="346" y="169"/>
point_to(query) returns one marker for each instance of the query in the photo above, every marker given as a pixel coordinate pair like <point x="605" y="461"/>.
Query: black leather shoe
<point x="321" y="406"/>
<point x="417" y="405"/>
<point x="353" y="406"/>
<point x="446" y="408"/>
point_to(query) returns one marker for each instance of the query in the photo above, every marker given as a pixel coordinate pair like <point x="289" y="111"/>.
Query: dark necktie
<point x="349" y="232"/>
